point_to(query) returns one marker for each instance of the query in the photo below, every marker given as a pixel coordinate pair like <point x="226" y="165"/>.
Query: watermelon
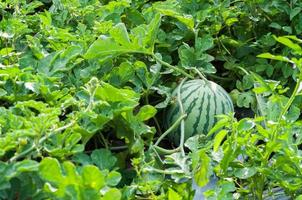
<point x="202" y="100"/>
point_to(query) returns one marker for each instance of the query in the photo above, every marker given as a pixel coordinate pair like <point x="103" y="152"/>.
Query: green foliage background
<point x="84" y="85"/>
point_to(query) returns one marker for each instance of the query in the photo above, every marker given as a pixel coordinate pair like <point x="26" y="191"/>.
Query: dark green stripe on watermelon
<point x="207" y="115"/>
<point x="184" y="99"/>
<point x="186" y="86"/>
<point x="202" y="101"/>
<point x="215" y="107"/>
<point x="229" y="102"/>
<point x="195" y="126"/>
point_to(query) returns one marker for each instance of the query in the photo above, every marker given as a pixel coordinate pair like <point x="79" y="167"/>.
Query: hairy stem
<point x="166" y="151"/>
<point x="200" y="74"/>
<point x="283" y="112"/>
<point x="286" y="108"/>
<point x="55" y="131"/>
<point x="175" y="125"/>
<point x="172" y="67"/>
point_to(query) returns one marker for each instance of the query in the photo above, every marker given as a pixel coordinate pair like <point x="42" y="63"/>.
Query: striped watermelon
<point x="202" y="100"/>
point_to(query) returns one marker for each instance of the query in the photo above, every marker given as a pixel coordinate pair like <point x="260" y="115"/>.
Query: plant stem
<point x="172" y="67"/>
<point x="175" y="125"/>
<point x="283" y="112"/>
<point x="104" y="141"/>
<point x="159" y="171"/>
<point x="157" y="154"/>
<point x="166" y="151"/>
<point x="243" y="70"/>
<point x="287" y="106"/>
<point x="157" y="125"/>
<point x="200" y="74"/>
<point x="154" y="118"/>
<point x="290" y="101"/>
<point x="260" y="108"/>
<point x="24" y="153"/>
<point x="220" y="78"/>
<point x="118" y="148"/>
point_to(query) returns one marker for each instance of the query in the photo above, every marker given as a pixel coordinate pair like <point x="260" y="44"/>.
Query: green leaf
<point x="247" y="82"/>
<point x="287" y="29"/>
<point x="204" y="43"/>
<point x="231" y="21"/>
<point x="289" y="43"/>
<point x="293" y="114"/>
<point x="171" y="9"/>
<point x="2" y="92"/>
<point x="50" y="170"/>
<point x="224" y="191"/>
<point x="262" y="82"/>
<point x="153" y="29"/>
<point x="187" y="56"/>
<point x="293" y="37"/>
<point x="141" y="40"/>
<point x="275" y="25"/>
<point x="222" y="122"/>
<point x="273" y="57"/>
<point x="122" y="74"/>
<point x="245" y="125"/>
<point x="70" y="172"/>
<point x="218" y="139"/>
<point x="294" y="12"/>
<point x="146" y="112"/>
<point x="113" y="178"/>
<point x="111" y="194"/>
<point x="195" y="58"/>
<point x="120" y="35"/>
<point x="82" y="159"/>
<point x="172" y="195"/>
<point x="72" y="140"/>
<point x="201" y="166"/>
<point x="245" y="173"/>
<point x="112" y="94"/>
<point x="106" y="46"/>
<point x="164" y="91"/>
<point x="135" y="17"/>
<point x="27" y="166"/>
<point x="103" y="158"/>
<point x="66" y="56"/>
<point x="195" y="142"/>
<point x="92" y="177"/>
<point x="245" y="99"/>
<point x="299" y="197"/>
<point x="145" y="77"/>
<point x="5" y="171"/>
<point x="137" y="146"/>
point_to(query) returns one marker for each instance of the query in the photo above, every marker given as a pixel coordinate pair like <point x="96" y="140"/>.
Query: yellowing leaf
<point x="172" y="195"/>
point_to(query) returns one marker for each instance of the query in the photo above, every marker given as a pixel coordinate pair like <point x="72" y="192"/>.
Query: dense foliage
<point x="85" y="85"/>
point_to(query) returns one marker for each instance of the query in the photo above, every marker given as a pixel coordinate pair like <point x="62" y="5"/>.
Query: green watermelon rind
<point x="202" y="101"/>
